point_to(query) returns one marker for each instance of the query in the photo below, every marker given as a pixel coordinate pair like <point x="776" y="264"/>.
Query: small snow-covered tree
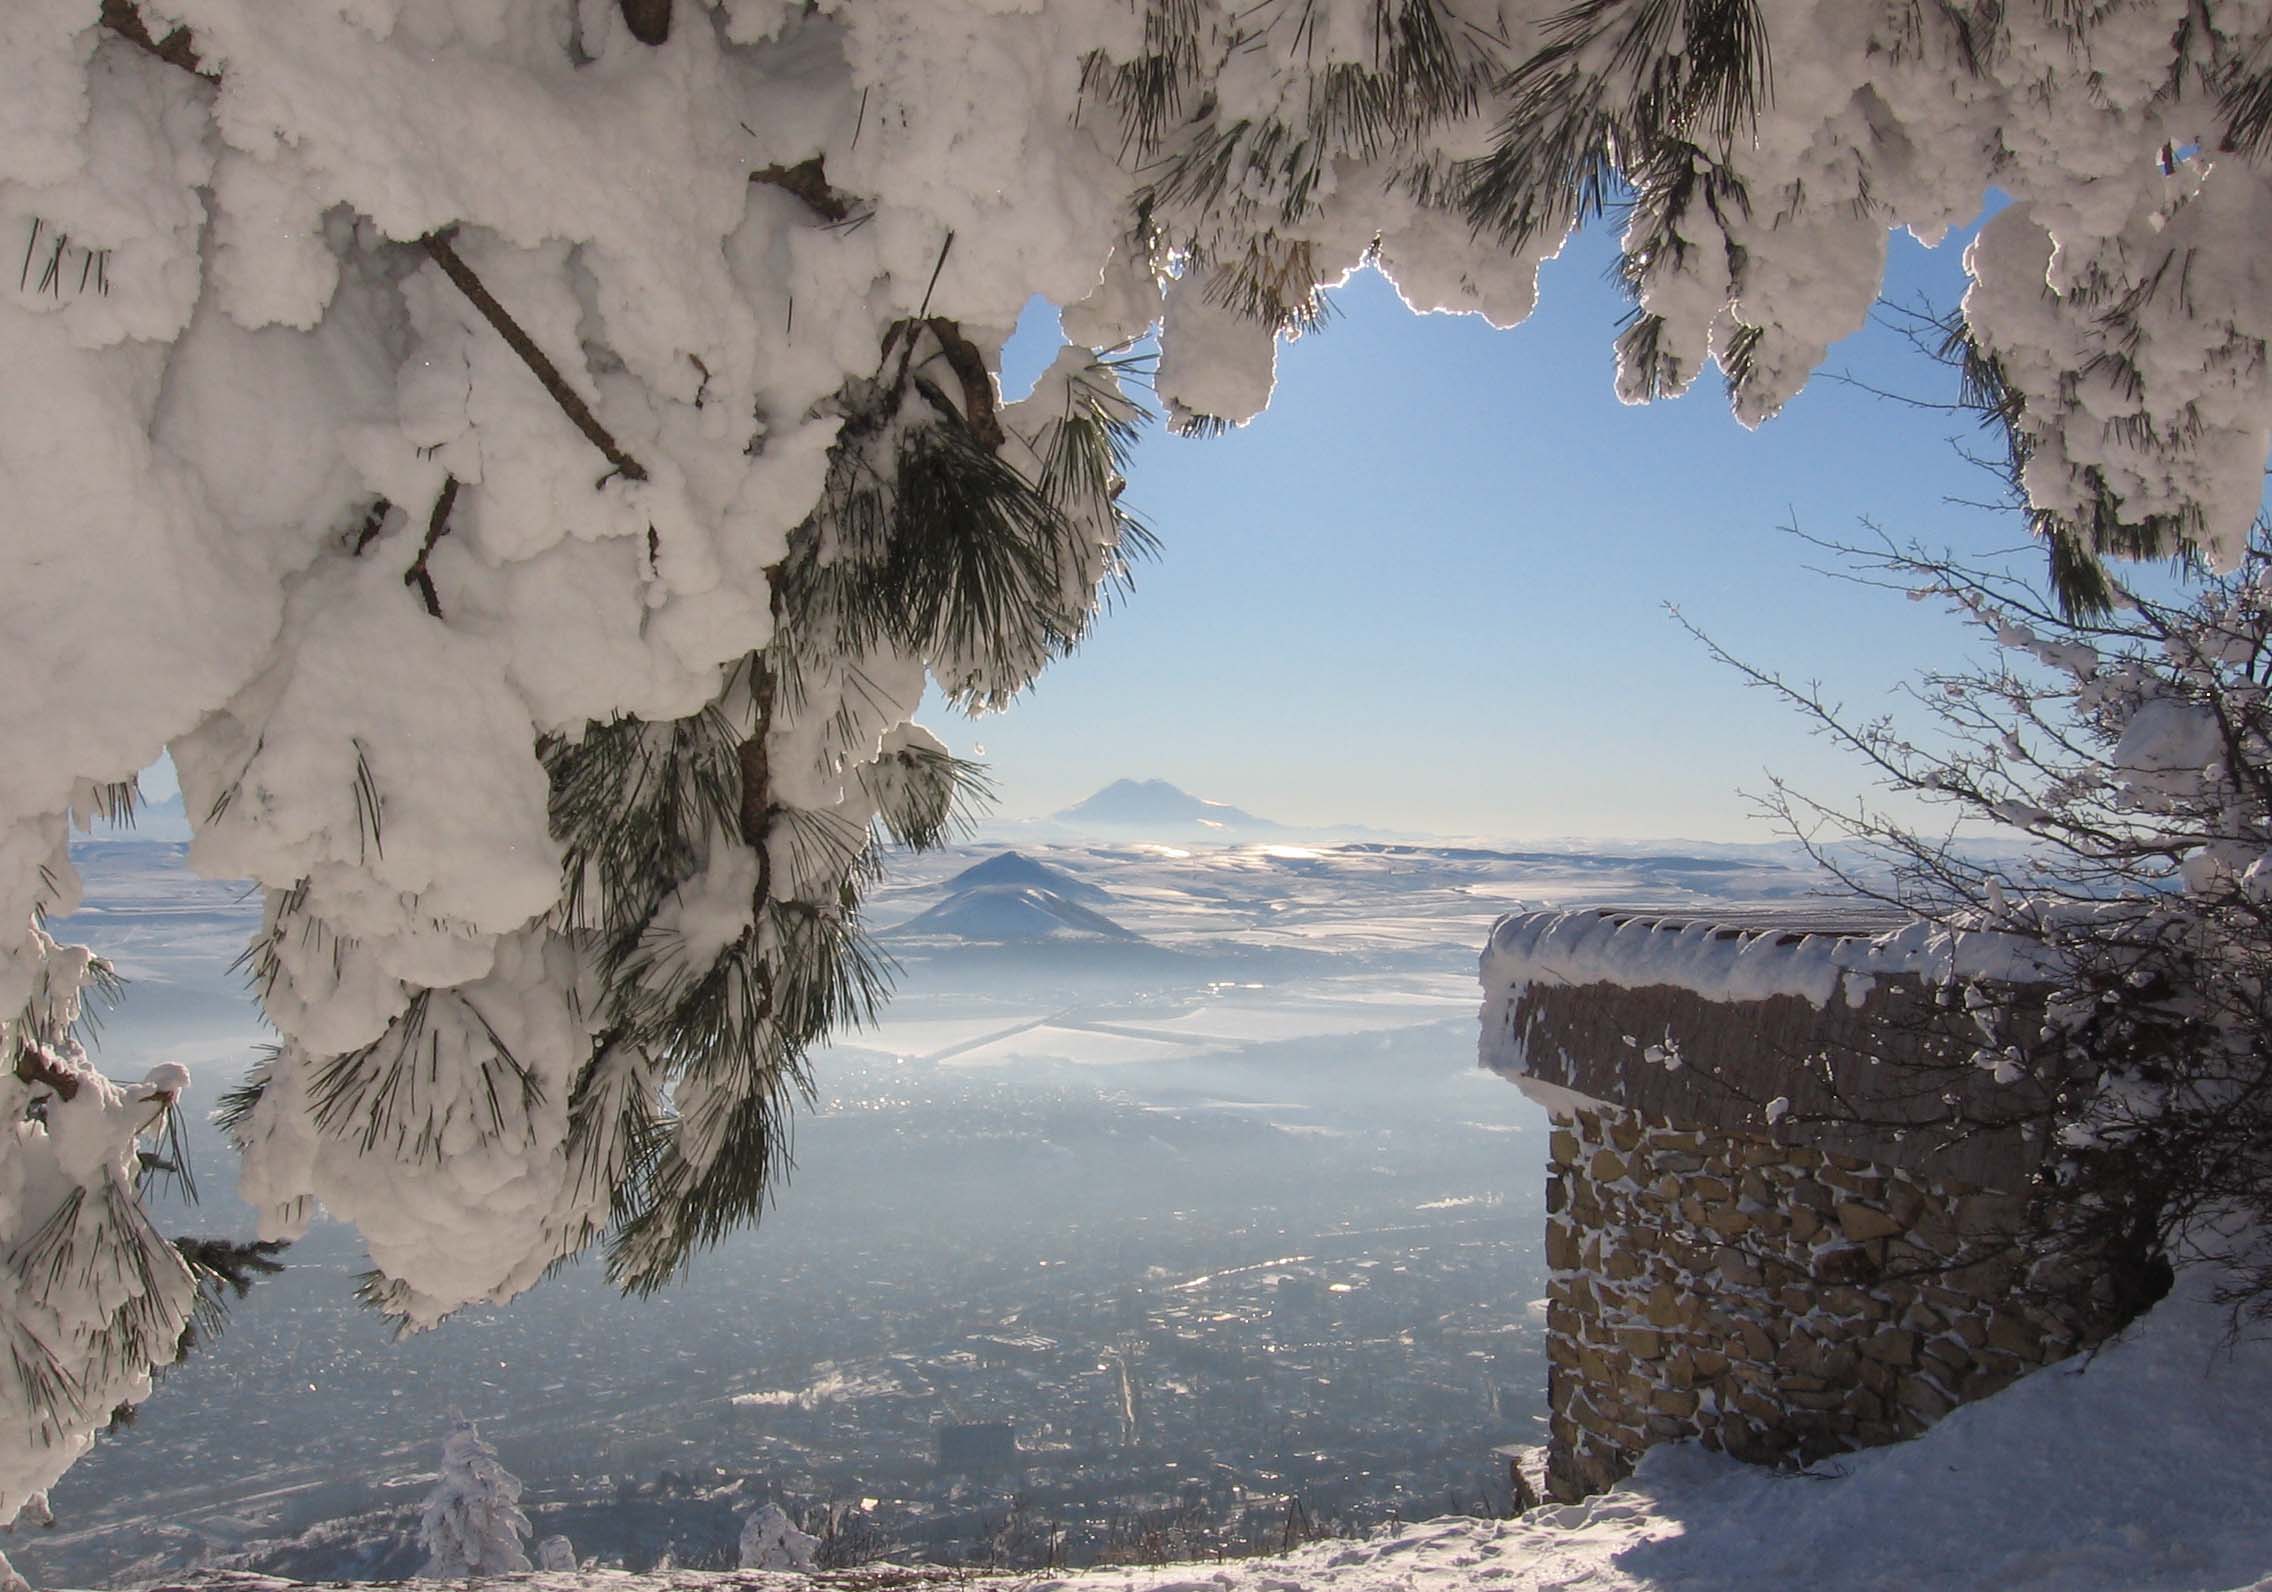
<point x="555" y="1552"/>
<point x="771" y="1541"/>
<point x="471" y="1523"/>
<point x="2133" y="750"/>
<point x="525" y="458"/>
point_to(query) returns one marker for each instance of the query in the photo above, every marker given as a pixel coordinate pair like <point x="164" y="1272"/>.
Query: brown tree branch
<point x="759" y="811"/>
<point x="437" y="247"/>
<point x="807" y="180"/>
<point x="969" y="366"/>
<point x="34" y="1065"/>
<point x="177" y="48"/>
<point x="963" y="358"/>
<point x="758" y="808"/>
<point x="437" y="527"/>
<point x="648" y="20"/>
<point x="374" y="520"/>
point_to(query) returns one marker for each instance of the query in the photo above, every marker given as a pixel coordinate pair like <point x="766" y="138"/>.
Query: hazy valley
<point x="1173" y="1160"/>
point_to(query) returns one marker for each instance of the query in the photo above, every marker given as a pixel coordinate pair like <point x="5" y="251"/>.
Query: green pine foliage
<point x="941" y="536"/>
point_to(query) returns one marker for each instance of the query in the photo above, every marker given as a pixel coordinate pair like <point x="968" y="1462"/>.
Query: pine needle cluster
<point x="708" y="933"/>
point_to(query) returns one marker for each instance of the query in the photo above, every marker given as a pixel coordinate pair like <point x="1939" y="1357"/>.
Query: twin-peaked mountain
<point x="1155" y="804"/>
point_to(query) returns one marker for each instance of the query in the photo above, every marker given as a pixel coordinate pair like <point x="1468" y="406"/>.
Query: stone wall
<point x="1774" y="1300"/>
<point x="1789" y="1178"/>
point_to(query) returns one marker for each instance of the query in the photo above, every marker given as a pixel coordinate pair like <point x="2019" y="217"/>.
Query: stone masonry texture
<point x="1781" y="1302"/>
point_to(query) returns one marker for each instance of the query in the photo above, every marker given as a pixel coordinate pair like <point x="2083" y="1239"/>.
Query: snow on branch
<point x="176" y="48"/>
<point x="808" y="180"/>
<point x="579" y="413"/>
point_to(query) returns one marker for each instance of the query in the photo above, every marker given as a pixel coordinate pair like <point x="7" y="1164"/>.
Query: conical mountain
<point x="1016" y="868"/>
<point x="1011" y="913"/>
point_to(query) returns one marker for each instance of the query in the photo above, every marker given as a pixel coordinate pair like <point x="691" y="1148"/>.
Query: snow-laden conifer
<point x="771" y="1541"/>
<point x="471" y="1523"/>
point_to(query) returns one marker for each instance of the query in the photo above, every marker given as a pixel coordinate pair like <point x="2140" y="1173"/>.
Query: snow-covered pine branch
<point x="523" y="459"/>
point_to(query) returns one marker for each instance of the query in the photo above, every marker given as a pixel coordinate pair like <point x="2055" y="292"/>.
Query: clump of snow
<point x="490" y="1064"/>
<point x="1214" y="363"/>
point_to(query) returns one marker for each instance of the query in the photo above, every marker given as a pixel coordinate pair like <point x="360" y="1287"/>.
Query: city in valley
<point x="1164" y="1213"/>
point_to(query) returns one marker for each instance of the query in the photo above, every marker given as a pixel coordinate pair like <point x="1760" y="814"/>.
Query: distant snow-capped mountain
<point x="1141" y="803"/>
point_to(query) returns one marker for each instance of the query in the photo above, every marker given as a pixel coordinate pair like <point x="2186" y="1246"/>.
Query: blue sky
<point x="1426" y="589"/>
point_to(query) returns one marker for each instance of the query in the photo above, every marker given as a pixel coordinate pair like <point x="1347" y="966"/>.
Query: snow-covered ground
<point x="2148" y="1465"/>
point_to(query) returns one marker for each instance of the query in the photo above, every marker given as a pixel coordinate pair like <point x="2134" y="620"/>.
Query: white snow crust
<point x="1734" y="961"/>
